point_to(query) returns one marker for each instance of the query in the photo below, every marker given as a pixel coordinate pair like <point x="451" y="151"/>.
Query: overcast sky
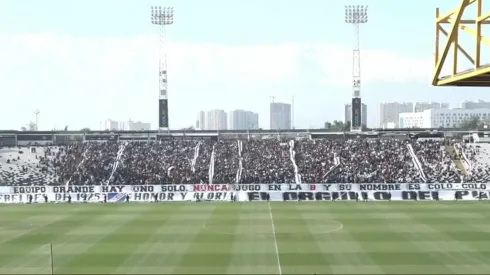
<point x="81" y="62"/>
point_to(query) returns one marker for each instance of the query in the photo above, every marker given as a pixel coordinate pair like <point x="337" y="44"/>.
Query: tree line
<point x="338" y="125"/>
<point x="473" y="123"/>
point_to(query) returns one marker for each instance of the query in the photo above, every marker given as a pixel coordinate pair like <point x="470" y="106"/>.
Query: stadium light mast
<point x="356" y="15"/>
<point x="36" y="113"/>
<point x="162" y="17"/>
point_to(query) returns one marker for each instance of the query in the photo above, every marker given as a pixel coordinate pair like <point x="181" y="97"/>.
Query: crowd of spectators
<point x="476" y="159"/>
<point x="227" y="161"/>
<point x="437" y="163"/>
<point x="267" y="161"/>
<point x="374" y="161"/>
<point x="239" y="161"/>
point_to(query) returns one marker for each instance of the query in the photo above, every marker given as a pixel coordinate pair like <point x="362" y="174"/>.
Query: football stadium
<point x="291" y="201"/>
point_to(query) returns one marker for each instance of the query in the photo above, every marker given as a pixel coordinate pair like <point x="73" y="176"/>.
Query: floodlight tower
<point x="356" y="15"/>
<point x="36" y="113"/>
<point x="162" y="17"/>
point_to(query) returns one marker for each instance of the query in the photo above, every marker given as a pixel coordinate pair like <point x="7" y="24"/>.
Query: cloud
<point x="377" y="66"/>
<point x="87" y="79"/>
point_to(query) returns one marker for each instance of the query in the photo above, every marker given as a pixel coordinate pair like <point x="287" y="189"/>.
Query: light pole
<point x="36" y="112"/>
<point x="356" y="15"/>
<point x="162" y="17"/>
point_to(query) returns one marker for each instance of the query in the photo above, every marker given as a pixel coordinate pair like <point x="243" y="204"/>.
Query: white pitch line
<point x="275" y="240"/>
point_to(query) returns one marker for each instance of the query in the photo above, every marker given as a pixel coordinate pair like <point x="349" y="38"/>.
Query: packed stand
<point x="227" y="161"/>
<point x="24" y="166"/>
<point x="177" y="162"/>
<point x="365" y="161"/>
<point x="316" y="158"/>
<point x="97" y="165"/>
<point x="436" y="163"/>
<point x="231" y="161"/>
<point x="267" y="161"/>
<point x="476" y="159"/>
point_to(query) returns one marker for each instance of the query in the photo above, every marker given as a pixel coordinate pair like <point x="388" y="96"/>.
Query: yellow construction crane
<point x="479" y="74"/>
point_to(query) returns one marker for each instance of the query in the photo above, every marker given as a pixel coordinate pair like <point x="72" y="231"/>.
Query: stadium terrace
<point x="214" y="160"/>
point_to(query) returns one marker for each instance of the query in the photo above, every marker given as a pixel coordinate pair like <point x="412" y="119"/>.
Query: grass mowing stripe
<point x="122" y="225"/>
<point x="279" y="269"/>
<point x="163" y="247"/>
<point x="463" y="247"/>
<point x="253" y="235"/>
<point x="27" y="219"/>
<point x="26" y="226"/>
<point x="69" y="246"/>
<point x="363" y="249"/>
<point x="339" y="236"/>
<point x="411" y="238"/>
<point x="151" y="246"/>
<point x="201" y="252"/>
<point x="294" y="236"/>
<point x="38" y="255"/>
<point x="73" y="244"/>
<point x="443" y="256"/>
<point x="25" y="246"/>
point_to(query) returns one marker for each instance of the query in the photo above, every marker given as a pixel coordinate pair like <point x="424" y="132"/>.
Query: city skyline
<point x="429" y="114"/>
<point x="129" y="125"/>
<point x="106" y="67"/>
<point x="392" y="119"/>
<point x="388" y="112"/>
<point x="219" y="119"/>
<point x="444" y="118"/>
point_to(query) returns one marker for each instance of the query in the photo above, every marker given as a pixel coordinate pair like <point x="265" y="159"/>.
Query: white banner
<point x="356" y="187"/>
<point x="248" y="196"/>
<point x="117" y="197"/>
<point x="372" y="195"/>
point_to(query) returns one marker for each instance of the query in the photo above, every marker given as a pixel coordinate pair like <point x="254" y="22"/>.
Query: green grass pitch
<point x="247" y="238"/>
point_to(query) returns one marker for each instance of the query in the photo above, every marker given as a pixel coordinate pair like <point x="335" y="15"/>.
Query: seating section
<point x="316" y="158"/>
<point x="29" y="166"/>
<point x="240" y="161"/>
<point x="226" y="161"/>
<point x="153" y="163"/>
<point x="374" y="161"/>
<point x="436" y="162"/>
<point x="266" y="161"/>
<point x="477" y="158"/>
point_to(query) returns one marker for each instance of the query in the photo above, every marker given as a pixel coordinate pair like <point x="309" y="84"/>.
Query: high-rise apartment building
<point x="243" y="120"/>
<point x="216" y="120"/>
<point x="348" y="113"/>
<point x="280" y="116"/>
<point x="134" y="126"/>
<point x="422" y="106"/>
<point x="201" y="121"/>
<point x="477" y="104"/>
<point x="388" y="113"/>
<point x="130" y="125"/>
<point x="110" y="125"/>
<point x="441" y="118"/>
